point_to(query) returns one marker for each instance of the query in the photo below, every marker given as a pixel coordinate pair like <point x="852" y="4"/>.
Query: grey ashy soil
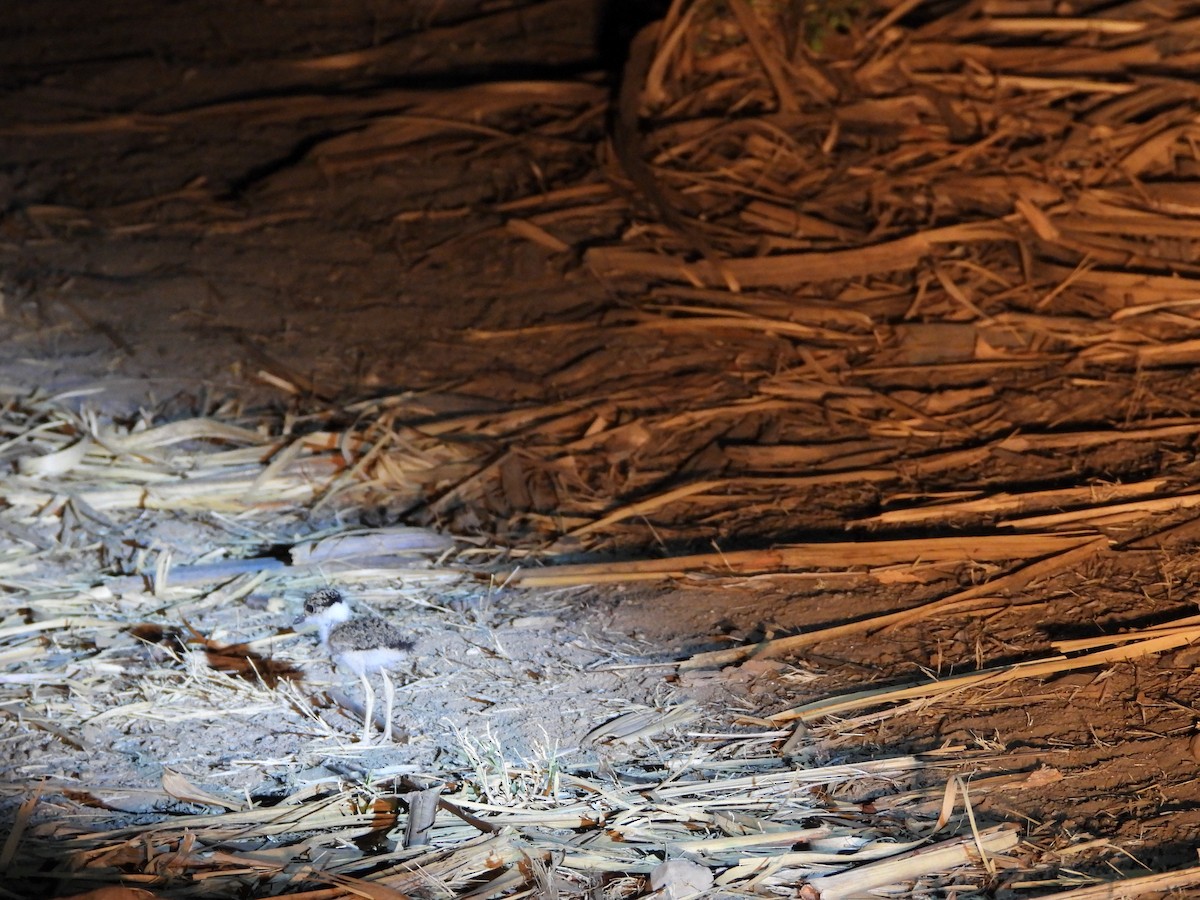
<point x="177" y="249"/>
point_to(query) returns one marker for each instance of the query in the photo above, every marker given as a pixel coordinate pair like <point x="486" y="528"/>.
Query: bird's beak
<point x="301" y="619"/>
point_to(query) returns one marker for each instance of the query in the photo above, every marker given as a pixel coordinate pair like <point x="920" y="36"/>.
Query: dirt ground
<point x="172" y="245"/>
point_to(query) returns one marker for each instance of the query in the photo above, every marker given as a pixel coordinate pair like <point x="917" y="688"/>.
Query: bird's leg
<point x="389" y="698"/>
<point x="369" y="707"/>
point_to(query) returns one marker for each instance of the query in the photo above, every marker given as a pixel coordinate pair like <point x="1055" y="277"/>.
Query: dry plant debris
<point x="496" y="824"/>
<point x="643" y="790"/>
<point x="938" y="276"/>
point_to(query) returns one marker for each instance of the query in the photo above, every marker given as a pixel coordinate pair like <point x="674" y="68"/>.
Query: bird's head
<point x="322" y="610"/>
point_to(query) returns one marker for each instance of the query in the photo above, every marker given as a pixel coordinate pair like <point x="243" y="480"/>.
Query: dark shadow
<point x="239" y="660"/>
<point x="159" y="637"/>
<point x="1114" y="624"/>
<point x="230" y="659"/>
<point x="618" y="22"/>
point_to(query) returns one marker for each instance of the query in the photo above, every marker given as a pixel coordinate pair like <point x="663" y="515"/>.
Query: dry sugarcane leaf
<point x="398" y="540"/>
<point x="914" y="864"/>
<point x="642" y="723"/>
<point x="181" y="789"/>
<point x="55" y="464"/>
<point x="1157" y="883"/>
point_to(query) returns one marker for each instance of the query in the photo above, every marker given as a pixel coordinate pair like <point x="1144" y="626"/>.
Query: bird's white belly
<point x="361" y="661"/>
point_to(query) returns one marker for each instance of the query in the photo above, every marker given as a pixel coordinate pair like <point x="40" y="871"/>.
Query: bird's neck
<point x="331" y="618"/>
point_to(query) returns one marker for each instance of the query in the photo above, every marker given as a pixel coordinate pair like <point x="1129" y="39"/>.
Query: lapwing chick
<point x="359" y="644"/>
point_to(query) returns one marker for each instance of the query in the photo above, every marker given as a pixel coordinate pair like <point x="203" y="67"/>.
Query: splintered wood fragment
<point x="1135" y="511"/>
<point x="1174" y="354"/>
<point x="571" y="194"/>
<point x="808" y="457"/>
<point x="1188" y="625"/>
<point x="915" y="864"/>
<point x="422" y="812"/>
<point x="523" y="228"/>
<point x="1030" y="83"/>
<point x="643" y="507"/>
<point x="1062" y="560"/>
<point x="963" y="457"/>
<point x="1078" y="440"/>
<point x="1046" y="24"/>
<point x="1008" y="505"/>
<point x="990" y="678"/>
<point x="797" y="268"/>
<point x="834" y="555"/>
<point x="768" y="58"/>
<point x="1158" y="883"/>
<point x="701" y="320"/>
